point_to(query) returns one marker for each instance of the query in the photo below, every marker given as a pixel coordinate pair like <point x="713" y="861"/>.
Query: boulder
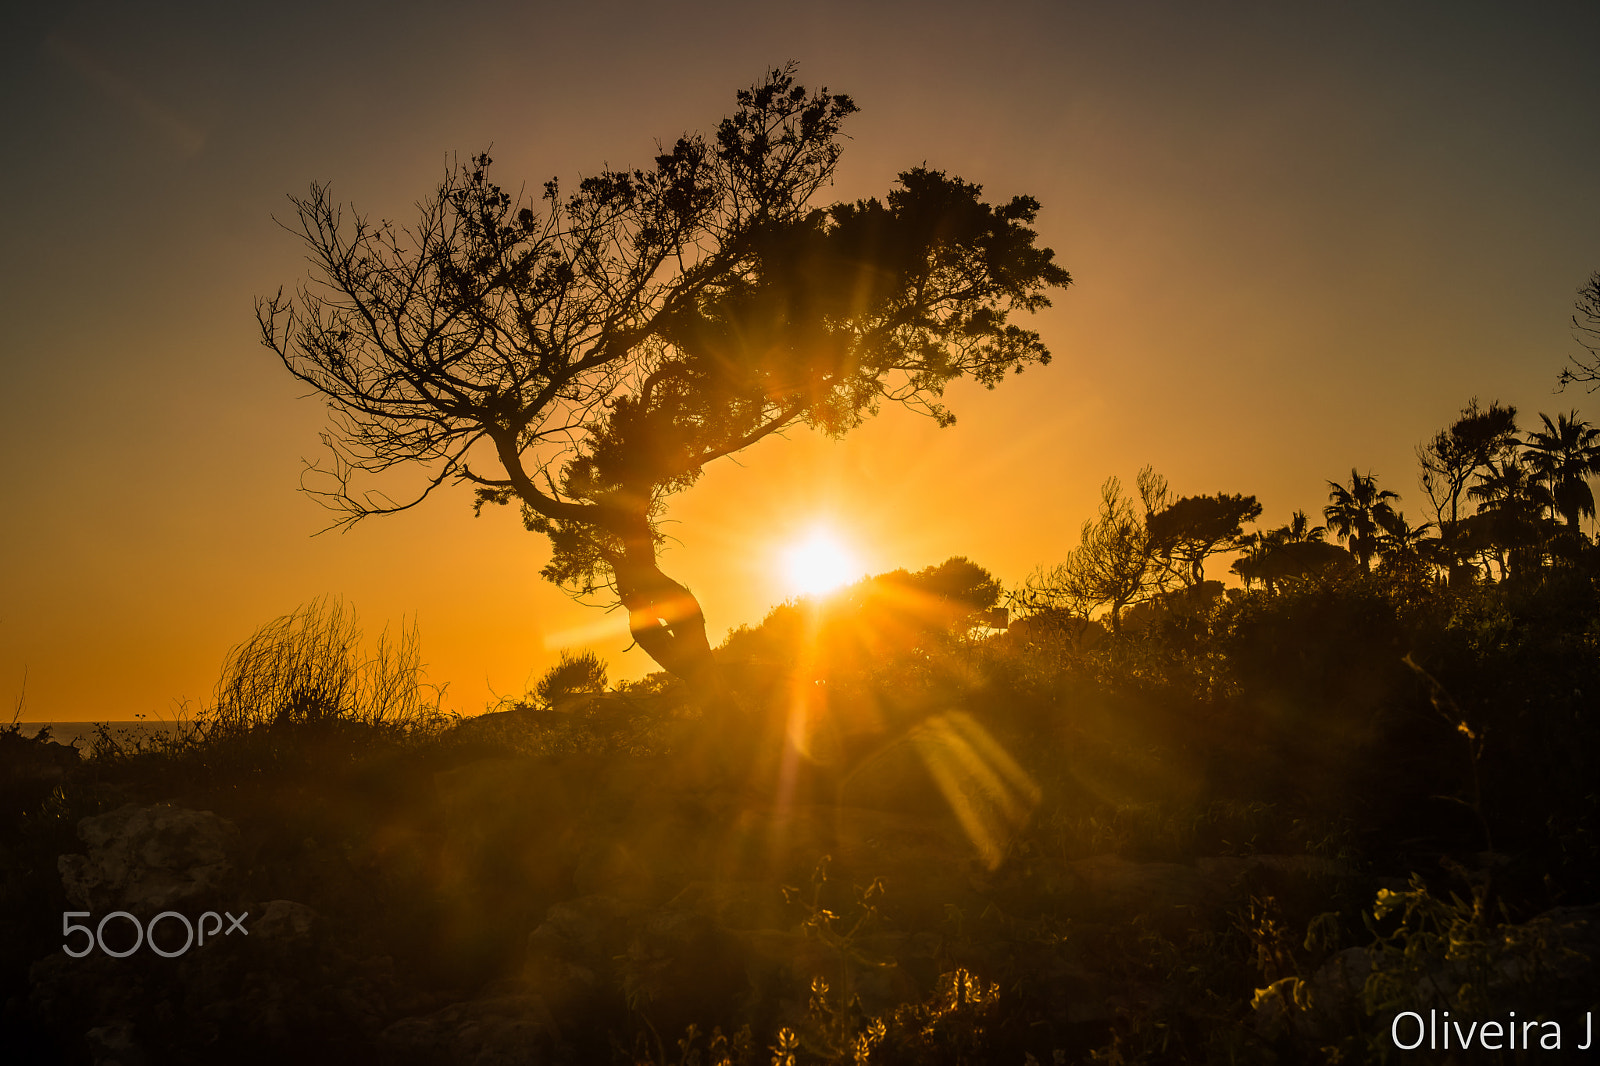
<point x="1318" y="1009"/>
<point x="115" y="1045"/>
<point x="682" y="968"/>
<point x="148" y="859"/>
<point x="284" y="921"/>
<point x="506" y="1030"/>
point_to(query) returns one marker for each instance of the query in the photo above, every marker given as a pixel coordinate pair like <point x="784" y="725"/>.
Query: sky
<point x="1302" y="237"/>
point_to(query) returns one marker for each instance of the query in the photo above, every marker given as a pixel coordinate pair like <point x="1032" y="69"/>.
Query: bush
<point x="574" y="675"/>
<point x="307" y="668"/>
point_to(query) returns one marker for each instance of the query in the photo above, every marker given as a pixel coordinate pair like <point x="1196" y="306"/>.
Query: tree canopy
<point x="586" y="355"/>
<point x="1563" y="457"/>
<point x="1116" y="563"/>
<point x="1464" y="449"/>
<point x="1196" y="527"/>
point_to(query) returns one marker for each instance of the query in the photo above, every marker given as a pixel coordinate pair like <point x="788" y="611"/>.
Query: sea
<point x="83" y="733"/>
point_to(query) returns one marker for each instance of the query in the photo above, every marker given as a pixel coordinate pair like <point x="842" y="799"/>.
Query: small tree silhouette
<point x="1456" y="454"/>
<point x="1563" y="457"/>
<point x="1196" y="527"/>
<point x="1357" y="514"/>
<point x="1585" y="369"/>
<point x="1116" y="563"/>
<point x="572" y="676"/>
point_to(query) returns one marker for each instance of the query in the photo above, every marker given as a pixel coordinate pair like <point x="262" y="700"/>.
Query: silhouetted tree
<point x="1354" y="514"/>
<point x="1463" y="450"/>
<point x="1116" y="562"/>
<point x="1293" y="562"/>
<point x="587" y="356"/>
<point x="1276" y="557"/>
<point x="574" y="675"/>
<point x="881" y="618"/>
<point x="1195" y="527"/>
<point x="1457" y="454"/>
<point x="1563" y="457"/>
<point x="1511" y="516"/>
<point x="1407" y="549"/>
<point x="1299" y="530"/>
<point x="1585" y="369"/>
<point x="961" y="588"/>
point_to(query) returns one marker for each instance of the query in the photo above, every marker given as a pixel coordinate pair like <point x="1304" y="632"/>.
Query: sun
<point x="818" y="562"/>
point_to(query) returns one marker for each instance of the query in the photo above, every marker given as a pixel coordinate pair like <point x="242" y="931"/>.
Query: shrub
<point x="573" y="675"/>
<point x="307" y="668"/>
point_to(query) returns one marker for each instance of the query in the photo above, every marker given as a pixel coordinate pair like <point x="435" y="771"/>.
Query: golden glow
<point x="818" y="563"/>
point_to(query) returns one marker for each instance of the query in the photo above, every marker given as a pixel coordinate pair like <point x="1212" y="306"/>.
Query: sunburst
<point x="818" y="562"/>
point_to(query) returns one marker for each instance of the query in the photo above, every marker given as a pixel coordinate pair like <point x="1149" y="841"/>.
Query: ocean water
<point x="83" y="732"/>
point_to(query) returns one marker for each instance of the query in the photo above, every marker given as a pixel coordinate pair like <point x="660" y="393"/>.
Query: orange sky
<point x="1300" y="242"/>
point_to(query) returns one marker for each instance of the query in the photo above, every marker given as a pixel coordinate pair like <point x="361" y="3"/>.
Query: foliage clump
<point x="309" y="668"/>
<point x="575" y="675"/>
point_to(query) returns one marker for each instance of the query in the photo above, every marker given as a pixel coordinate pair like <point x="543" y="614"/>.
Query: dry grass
<point x="309" y="668"/>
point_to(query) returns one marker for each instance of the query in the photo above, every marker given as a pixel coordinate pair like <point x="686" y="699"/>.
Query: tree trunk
<point x="663" y="616"/>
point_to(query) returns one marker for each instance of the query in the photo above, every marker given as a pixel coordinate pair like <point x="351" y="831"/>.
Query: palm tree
<point x="1300" y="529"/>
<point x="1400" y="543"/>
<point x="1357" y="513"/>
<point x="1511" y="516"/>
<point x="1563" y="457"/>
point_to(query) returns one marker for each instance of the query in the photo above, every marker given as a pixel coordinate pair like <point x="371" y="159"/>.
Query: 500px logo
<point x="143" y="933"/>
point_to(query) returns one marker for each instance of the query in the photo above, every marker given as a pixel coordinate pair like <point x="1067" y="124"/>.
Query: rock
<point x="683" y="969"/>
<point x="114" y="1045"/>
<point x="736" y="904"/>
<point x="148" y="859"/>
<point x="509" y="1030"/>
<point x="284" y="921"/>
<point x="571" y="957"/>
<point x="589" y="930"/>
<point x="74" y="995"/>
<point x="644" y="859"/>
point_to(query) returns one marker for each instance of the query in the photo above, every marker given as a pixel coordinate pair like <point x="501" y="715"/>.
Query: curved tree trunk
<point x="663" y="615"/>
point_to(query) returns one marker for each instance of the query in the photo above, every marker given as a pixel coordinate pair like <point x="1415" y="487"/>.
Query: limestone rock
<point x="508" y="1030"/>
<point x="285" y="921"/>
<point x="147" y="859"/>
